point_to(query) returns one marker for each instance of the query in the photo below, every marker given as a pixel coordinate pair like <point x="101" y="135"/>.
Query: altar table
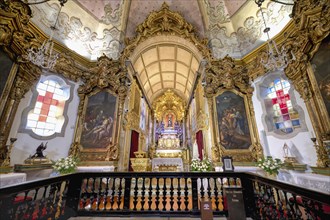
<point x="157" y="162"/>
<point x="11" y="179"/>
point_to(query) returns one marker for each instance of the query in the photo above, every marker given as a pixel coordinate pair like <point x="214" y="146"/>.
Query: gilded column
<point x="26" y="76"/>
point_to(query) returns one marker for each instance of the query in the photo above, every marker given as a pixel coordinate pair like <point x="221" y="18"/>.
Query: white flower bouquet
<point x="201" y="165"/>
<point x="66" y="165"/>
<point x="270" y="165"/>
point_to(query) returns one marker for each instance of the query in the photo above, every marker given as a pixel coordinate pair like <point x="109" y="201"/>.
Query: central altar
<point x="168" y="153"/>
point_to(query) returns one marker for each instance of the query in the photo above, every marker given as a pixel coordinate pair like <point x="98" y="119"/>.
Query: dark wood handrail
<point x="120" y="193"/>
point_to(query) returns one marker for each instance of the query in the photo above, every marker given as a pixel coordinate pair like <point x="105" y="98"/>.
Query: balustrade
<point x="165" y="194"/>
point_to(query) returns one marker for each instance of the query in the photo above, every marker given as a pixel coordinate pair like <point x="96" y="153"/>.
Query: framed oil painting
<point x="7" y="75"/>
<point x="99" y="121"/>
<point x="233" y="123"/>
<point x="321" y="69"/>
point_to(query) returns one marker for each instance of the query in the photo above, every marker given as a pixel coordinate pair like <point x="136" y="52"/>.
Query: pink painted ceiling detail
<point x="233" y="5"/>
<point x="140" y="9"/>
<point x="97" y="8"/>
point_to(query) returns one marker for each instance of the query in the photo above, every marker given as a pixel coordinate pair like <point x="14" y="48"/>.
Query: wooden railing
<point x="157" y="194"/>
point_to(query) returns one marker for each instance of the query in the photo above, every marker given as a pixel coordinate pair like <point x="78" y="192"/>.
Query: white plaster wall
<point x="300" y="145"/>
<point x="57" y="147"/>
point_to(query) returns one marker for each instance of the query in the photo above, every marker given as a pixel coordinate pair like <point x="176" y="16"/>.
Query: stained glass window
<point x="285" y="118"/>
<point x="46" y="118"/>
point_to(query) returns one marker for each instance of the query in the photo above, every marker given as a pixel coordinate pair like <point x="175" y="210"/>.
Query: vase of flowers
<point x="270" y="166"/>
<point x="201" y="165"/>
<point x="66" y="165"/>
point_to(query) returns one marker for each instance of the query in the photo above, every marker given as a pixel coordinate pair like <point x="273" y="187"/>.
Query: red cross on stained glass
<point x="46" y="102"/>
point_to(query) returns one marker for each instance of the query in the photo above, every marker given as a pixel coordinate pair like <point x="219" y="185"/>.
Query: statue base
<point x="28" y="167"/>
<point x="6" y="169"/>
<point x="290" y="163"/>
<point x="38" y="160"/>
<point x="321" y="170"/>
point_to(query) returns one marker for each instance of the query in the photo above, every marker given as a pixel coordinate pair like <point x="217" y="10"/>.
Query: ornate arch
<point x="165" y="22"/>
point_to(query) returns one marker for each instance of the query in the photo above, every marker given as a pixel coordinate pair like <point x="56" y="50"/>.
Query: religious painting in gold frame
<point x="235" y="132"/>
<point x="98" y="125"/>
<point x="7" y="75"/>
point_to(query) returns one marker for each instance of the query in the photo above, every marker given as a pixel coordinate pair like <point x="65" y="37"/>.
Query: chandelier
<point x="45" y="57"/>
<point x="277" y="59"/>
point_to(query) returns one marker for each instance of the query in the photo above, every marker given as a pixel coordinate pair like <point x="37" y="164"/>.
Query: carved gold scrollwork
<point x="112" y="152"/>
<point x="75" y="149"/>
<point x="312" y="20"/>
<point x="66" y="66"/>
<point x="215" y="154"/>
<point x="165" y="22"/>
<point x="225" y="75"/>
<point x="26" y="76"/>
<point x="131" y="121"/>
<point x="108" y="75"/>
<point x="202" y="121"/>
<point x="169" y="101"/>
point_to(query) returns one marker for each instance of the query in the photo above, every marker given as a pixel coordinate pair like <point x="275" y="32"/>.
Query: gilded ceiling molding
<point x="169" y="101"/>
<point x="165" y="22"/>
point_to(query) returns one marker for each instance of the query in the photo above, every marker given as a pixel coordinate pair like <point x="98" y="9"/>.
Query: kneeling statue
<point x="39" y="151"/>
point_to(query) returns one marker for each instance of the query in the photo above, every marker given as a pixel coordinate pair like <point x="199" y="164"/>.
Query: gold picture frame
<point x="236" y="132"/>
<point x="98" y="125"/>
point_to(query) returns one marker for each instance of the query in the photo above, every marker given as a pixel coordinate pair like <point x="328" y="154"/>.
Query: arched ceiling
<point x="94" y="28"/>
<point x="166" y="66"/>
<point x="166" y="62"/>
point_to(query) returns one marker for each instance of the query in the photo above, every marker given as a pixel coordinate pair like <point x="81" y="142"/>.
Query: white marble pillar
<point x="265" y="143"/>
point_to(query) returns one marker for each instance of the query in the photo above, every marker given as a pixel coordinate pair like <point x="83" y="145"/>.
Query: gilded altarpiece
<point x="100" y="111"/>
<point x="234" y="131"/>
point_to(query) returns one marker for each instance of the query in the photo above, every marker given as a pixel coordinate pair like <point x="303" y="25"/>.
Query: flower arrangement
<point x="66" y="165"/>
<point x="270" y="165"/>
<point x="201" y="165"/>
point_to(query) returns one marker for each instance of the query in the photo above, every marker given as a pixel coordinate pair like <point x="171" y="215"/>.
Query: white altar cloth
<point x="95" y="168"/>
<point x="11" y="179"/>
<point x="156" y="162"/>
<point x="302" y="179"/>
<point x="307" y="180"/>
